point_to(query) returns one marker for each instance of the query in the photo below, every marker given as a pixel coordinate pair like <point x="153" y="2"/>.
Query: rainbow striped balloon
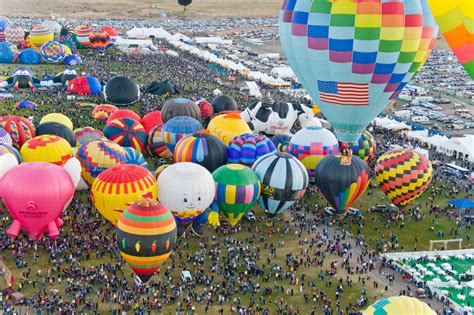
<point x="247" y="148"/>
<point x="177" y="128"/>
<point x="146" y="233"/>
<point x="237" y="190"/>
<point x="456" y="21"/>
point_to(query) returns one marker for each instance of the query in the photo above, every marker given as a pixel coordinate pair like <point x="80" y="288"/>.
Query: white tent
<point x="127" y="42"/>
<point x="148" y="32"/>
<point x="283" y="72"/>
<point x="253" y="89"/>
<point x="213" y="40"/>
<point x="461" y="148"/>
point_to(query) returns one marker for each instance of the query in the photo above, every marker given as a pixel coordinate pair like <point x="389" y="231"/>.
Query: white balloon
<point x="73" y="167"/>
<point x="7" y="162"/>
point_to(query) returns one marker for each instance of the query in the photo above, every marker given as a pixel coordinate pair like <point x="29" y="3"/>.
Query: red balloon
<point x="110" y="30"/>
<point x="151" y="120"/>
<point x="124" y="113"/>
<point x="19" y="128"/>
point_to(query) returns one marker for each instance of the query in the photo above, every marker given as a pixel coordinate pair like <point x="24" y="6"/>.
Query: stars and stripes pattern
<point x="344" y="93"/>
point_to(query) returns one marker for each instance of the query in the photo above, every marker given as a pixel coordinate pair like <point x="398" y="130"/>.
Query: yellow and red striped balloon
<point x="146" y="233"/>
<point x="403" y="175"/>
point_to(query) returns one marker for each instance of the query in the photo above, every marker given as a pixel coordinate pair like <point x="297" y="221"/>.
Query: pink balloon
<point x="36" y="194"/>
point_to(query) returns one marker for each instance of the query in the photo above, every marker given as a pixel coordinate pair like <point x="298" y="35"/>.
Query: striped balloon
<point x="311" y="144"/>
<point x="203" y="149"/>
<point x="86" y="134"/>
<point x="281" y="142"/>
<point x="284" y="180"/>
<point x="126" y="132"/>
<point x="146" y="233"/>
<point x="19" y="128"/>
<point x="156" y="144"/>
<point x="403" y="175"/>
<point x="98" y="155"/>
<point x="47" y="148"/>
<point x="5" y="137"/>
<point x="5" y="148"/>
<point x="40" y="35"/>
<point x="237" y="190"/>
<point x="247" y="148"/>
<point x="132" y="156"/>
<point x="341" y="185"/>
<point x="177" y="128"/>
<point x="118" y="187"/>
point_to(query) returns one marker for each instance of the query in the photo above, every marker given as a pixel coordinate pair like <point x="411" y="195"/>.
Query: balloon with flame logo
<point x="284" y="180"/>
<point x="118" y="187"/>
<point x="146" y="234"/>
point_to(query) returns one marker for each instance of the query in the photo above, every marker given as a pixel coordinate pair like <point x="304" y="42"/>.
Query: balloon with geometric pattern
<point x="364" y="147"/>
<point x="120" y="186"/>
<point x="397" y="305"/>
<point x="177" y="128"/>
<point x="52" y="52"/>
<point x="19" y="128"/>
<point x="134" y="157"/>
<point x="46" y="148"/>
<point x="103" y="111"/>
<point x="86" y="134"/>
<point x="98" y="155"/>
<point x="14" y="34"/>
<point x="126" y="132"/>
<point x="456" y="21"/>
<point x="340" y="183"/>
<point x="146" y="234"/>
<point x="237" y="190"/>
<point x="403" y="175"/>
<point x="354" y="57"/>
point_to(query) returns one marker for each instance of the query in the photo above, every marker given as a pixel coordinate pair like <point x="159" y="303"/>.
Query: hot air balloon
<point x="5" y="137"/>
<point x="36" y="193"/>
<point x="72" y="60"/>
<point x="205" y="108"/>
<point x="151" y="120"/>
<point x="364" y="148"/>
<point x="156" y="144"/>
<point x="132" y="156"/>
<point x="177" y="128"/>
<point x="100" y="40"/>
<point x="399" y="305"/>
<point x="160" y="169"/>
<point x="121" y="91"/>
<point x="284" y="180"/>
<point x="352" y="56"/>
<point x="8" y="52"/>
<point x="29" y="56"/>
<point x="203" y="149"/>
<point x="46" y="148"/>
<point x="25" y="104"/>
<point x="228" y="126"/>
<point x="58" y="129"/>
<point x="124" y="113"/>
<point x="19" y="128"/>
<point x="59" y="118"/>
<point x="247" y="148"/>
<point x="146" y="234"/>
<point x="403" y="175"/>
<point x="14" y="34"/>
<point x="7" y="149"/>
<point x="3" y="26"/>
<point x="237" y="190"/>
<point x="98" y="155"/>
<point x="86" y="134"/>
<point x="40" y="35"/>
<point x="341" y="180"/>
<point x="281" y="142"/>
<point x="82" y="33"/>
<point x="311" y="144"/>
<point x="179" y="107"/>
<point x="52" y="52"/>
<point x="126" y="132"/>
<point x="84" y="85"/>
<point x="103" y="111"/>
<point x="187" y="189"/>
<point x="455" y="19"/>
<point x="223" y="103"/>
<point x="118" y="187"/>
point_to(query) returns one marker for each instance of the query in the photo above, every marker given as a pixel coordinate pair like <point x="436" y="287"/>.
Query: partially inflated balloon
<point x="352" y="56"/>
<point x="228" y="126"/>
<point x="341" y="184"/>
<point x="19" y="128"/>
<point x="237" y="190"/>
<point x="284" y="180"/>
<point x="86" y="134"/>
<point x="59" y="118"/>
<point x="403" y="175"/>
<point x="126" y="132"/>
<point x="396" y="305"/>
<point x="247" y="148"/>
<point x="103" y="111"/>
<point x="118" y="187"/>
<point x="455" y="18"/>
<point x="146" y="233"/>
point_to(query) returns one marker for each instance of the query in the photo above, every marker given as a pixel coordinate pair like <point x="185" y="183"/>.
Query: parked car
<point x="354" y="211"/>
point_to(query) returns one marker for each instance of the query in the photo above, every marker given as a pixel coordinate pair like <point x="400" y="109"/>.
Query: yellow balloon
<point x="40" y="35"/>
<point x="120" y="186"/>
<point x="59" y="118"/>
<point x="397" y="305"/>
<point x="227" y="126"/>
<point x="46" y="148"/>
<point x="66" y="49"/>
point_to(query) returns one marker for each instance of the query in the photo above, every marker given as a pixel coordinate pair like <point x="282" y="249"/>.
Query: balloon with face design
<point x="187" y="189"/>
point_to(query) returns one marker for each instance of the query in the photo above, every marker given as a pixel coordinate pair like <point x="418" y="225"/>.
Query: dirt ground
<point x="139" y="9"/>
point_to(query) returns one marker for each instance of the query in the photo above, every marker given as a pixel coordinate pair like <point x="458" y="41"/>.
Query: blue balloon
<point x="72" y="60"/>
<point x="132" y="156"/>
<point x="8" y="52"/>
<point x="30" y="57"/>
